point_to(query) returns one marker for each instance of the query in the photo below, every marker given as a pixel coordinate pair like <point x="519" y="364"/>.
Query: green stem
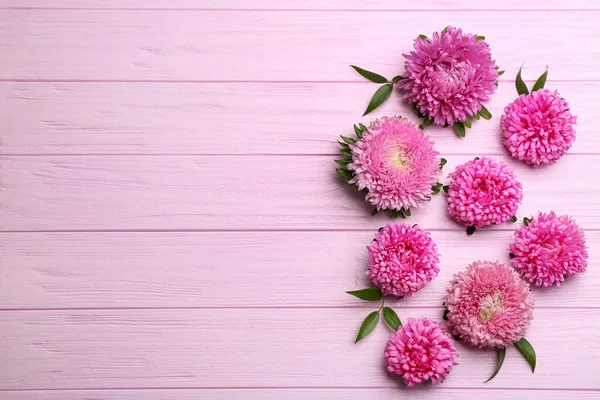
<point x="382" y="303"/>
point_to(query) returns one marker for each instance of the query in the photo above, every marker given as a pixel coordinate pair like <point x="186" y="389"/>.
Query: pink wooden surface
<point x="170" y="223"/>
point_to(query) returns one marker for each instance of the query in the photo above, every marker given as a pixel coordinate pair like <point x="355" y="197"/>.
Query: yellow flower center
<point x="489" y="305"/>
<point x="399" y="160"/>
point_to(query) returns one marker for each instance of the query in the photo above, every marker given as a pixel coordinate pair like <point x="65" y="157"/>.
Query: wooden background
<point x="171" y="224"/>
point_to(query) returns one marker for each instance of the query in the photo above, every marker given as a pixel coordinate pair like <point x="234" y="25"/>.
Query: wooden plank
<point x="242" y="192"/>
<point x="137" y="270"/>
<point x="431" y="393"/>
<point x="305" y="4"/>
<point x="215" y="118"/>
<point x="172" y="45"/>
<point x="258" y="348"/>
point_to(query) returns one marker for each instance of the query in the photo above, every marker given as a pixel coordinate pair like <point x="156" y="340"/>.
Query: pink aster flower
<point x="548" y="249"/>
<point x="396" y="162"/>
<point x="488" y="305"/>
<point x="450" y="76"/>
<point x="420" y="351"/>
<point x="402" y="260"/>
<point x="483" y="192"/>
<point x="538" y="128"/>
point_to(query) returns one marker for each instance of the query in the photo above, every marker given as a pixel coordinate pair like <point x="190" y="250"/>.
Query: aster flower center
<point x="450" y="79"/>
<point x="489" y="305"/>
<point x="400" y="160"/>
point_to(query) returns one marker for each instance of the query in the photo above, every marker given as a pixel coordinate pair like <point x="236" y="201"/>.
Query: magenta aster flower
<point x="402" y="260"/>
<point x="488" y="305"/>
<point x="420" y="351"/>
<point x="538" y="128"/>
<point x="396" y="162"/>
<point x="549" y="248"/>
<point x="450" y="76"/>
<point x="483" y="191"/>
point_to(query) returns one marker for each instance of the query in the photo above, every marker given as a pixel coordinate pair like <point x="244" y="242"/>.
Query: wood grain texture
<point x="255" y="45"/>
<point x="306" y="4"/>
<point x="430" y="393"/>
<point x="267" y="269"/>
<point x="249" y="348"/>
<point x="243" y="192"/>
<point x="220" y="118"/>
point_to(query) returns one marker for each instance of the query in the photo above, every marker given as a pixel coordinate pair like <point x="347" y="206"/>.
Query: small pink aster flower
<point x="483" y="191"/>
<point x="548" y="249"/>
<point x="450" y="76"/>
<point x="488" y="305"/>
<point x="538" y="128"/>
<point x="396" y="162"/>
<point x="402" y="260"/>
<point x="420" y="351"/>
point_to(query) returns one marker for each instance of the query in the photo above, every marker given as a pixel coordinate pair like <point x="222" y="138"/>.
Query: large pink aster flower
<point x="402" y="260"/>
<point x="420" y="351"/>
<point x="450" y="76"/>
<point x="488" y="305"/>
<point x="538" y="128"/>
<point x="549" y="248"/>
<point x="396" y="162"/>
<point x="483" y="191"/>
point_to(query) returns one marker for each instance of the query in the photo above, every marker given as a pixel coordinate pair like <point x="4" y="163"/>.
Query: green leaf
<point x="407" y="212"/>
<point x="374" y="212"/>
<point x="513" y="218"/>
<point x="468" y="122"/>
<point x="446" y="188"/>
<point x="421" y="36"/>
<point x="372" y="76"/>
<point x="526" y="221"/>
<point x="421" y="127"/>
<point x="368" y="294"/>
<point x="476" y="116"/>
<point x="501" y="356"/>
<point x="347" y="139"/>
<point x="443" y="162"/>
<point x="520" y="84"/>
<point x="445" y="316"/>
<point x="470" y="230"/>
<point x="344" y="145"/>
<point x="539" y="84"/>
<point x="485" y="113"/>
<point x="419" y="114"/>
<point x="368" y="325"/>
<point x="343" y="162"/>
<point x="397" y="78"/>
<point x="398" y="213"/>
<point x="380" y="96"/>
<point x="391" y="318"/>
<point x="459" y="128"/>
<point x="363" y="128"/>
<point x="511" y="255"/>
<point x="528" y="352"/>
<point x="344" y="172"/>
<point x="480" y="38"/>
<point x="436" y="188"/>
<point x="358" y="132"/>
<point x="445" y="29"/>
<point x="500" y="72"/>
<point x="346" y="152"/>
<point x="427" y="121"/>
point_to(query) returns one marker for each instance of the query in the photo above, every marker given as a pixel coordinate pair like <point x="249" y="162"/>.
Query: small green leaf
<point x="445" y="316"/>
<point x="368" y="325"/>
<point x="344" y="172"/>
<point x="374" y="212"/>
<point x="528" y="352"/>
<point x="344" y="145"/>
<point x="421" y="36"/>
<point x="500" y="72"/>
<point x="445" y="29"/>
<point x="347" y="139"/>
<point x="398" y="213"/>
<point x="346" y="152"/>
<point x="397" y="78"/>
<point x="343" y="162"/>
<point x="363" y="128"/>
<point x="443" y="162"/>
<point x="520" y="84"/>
<point x="407" y="212"/>
<point x="436" y="188"/>
<point x="372" y="76"/>
<point x="526" y="221"/>
<point x="501" y="356"/>
<point x="470" y="230"/>
<point x="511" y="255"/>
<point x="421" y="127"/>
<point x="446" y="188"/>
<point x="468" y="122"/>
<point x="513" y="218"/>
<point x="427" y="121"/>
<point x="459" y="128"/>
<point x="485" y="113"/>
<point x="358" y="132"/>
<point x="368" y="294"/>
<point x="380" y="96"/>
<point x="391" y="318"/>
<point x="480" y="38"/>
<point x="476" y="116"/>
<point x="539" y="84"/>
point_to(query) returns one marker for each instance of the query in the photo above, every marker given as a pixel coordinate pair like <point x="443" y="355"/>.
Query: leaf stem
<point x="382" y="303"/>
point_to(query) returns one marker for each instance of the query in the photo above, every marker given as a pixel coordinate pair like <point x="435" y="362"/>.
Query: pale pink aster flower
<point x="396" y="162"/>
<point x="449" y="76"/>
<point x="549" y="249"/>
<point x="420" y="351"/>
<point x="483" y="191"/>
<point x="538" y="128"/>
<point x="402" y="260"/>
<point x="489" y="305"/>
